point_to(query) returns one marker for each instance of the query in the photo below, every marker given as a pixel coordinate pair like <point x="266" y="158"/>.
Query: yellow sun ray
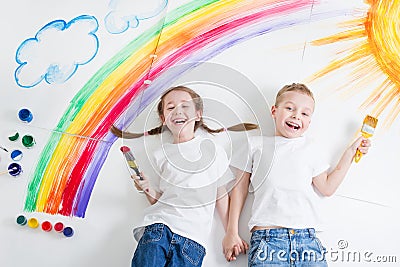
<point x="375" y="56"/>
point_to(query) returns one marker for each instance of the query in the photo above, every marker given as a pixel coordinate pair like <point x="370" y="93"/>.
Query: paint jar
<point x="28" y="141"/>
<point x="46" y="226"/>
<point x="25" y="115"/>
<point x="21" y="220"/>
<point x="14" y="169"/>
<point x="14" y="136"/>
<point x="68" y="231"/>
<point x="33" y="223"/>
<point x="16" y="155"/>
<point x="59" y="227"/>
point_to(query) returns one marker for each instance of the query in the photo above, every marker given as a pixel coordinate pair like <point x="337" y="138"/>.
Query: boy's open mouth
<point x="293" y="125"/>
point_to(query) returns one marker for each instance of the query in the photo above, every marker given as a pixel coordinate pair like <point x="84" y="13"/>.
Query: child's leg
<point x="152" y="248"/>
<point x="286" y="247"/>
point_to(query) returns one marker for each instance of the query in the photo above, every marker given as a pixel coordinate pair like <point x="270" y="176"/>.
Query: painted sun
<point x="375" y="56"/>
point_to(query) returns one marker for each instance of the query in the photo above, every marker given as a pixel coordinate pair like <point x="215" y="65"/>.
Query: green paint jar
<point x="21" y="220"/>
<point x="28" y="141"/>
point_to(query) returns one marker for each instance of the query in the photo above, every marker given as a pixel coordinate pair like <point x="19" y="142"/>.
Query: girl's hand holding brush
<point x="141" y="182"/>
<point x="142" y="185"/>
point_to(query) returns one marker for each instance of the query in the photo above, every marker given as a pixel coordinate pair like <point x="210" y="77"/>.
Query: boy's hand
<point x="363" y="144"/>
<point x="232" y="246"/>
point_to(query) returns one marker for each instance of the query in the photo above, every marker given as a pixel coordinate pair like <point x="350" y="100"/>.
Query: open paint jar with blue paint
<point x="14" y="169"/>
<point x="25" y="115"/>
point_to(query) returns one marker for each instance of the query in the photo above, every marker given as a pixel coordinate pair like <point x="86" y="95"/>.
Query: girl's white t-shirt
<point x="282" y="172"/>
<point x="189" y="175"/>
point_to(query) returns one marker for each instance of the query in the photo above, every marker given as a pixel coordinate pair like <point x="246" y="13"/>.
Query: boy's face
<point x="292" y="114"/>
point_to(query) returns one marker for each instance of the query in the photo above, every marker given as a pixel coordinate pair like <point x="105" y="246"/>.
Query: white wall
<point x="364" y="212"/>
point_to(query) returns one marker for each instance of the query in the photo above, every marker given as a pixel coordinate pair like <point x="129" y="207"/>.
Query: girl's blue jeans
<point x="286" y="247"/>
<point x="160" y="247"/>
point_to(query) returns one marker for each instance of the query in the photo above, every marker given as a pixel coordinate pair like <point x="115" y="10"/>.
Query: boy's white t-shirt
<point x="282" y="172"/>
<point x="189" y="175"/>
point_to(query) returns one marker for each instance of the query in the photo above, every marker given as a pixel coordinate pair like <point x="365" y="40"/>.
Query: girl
<point x="175" y="227"/>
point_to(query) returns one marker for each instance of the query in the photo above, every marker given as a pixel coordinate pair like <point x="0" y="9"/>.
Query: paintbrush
<point x="367" y="130"/>
<point x="130" y="159"/>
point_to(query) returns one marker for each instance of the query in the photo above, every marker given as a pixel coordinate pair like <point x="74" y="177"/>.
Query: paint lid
<point x="59" y="227"/>
<point x="14" y="169"/>
<point x="21" y="220"/>
<point x="16" y="155"/>
<point x="46" y="226"/>
<point x="25" y="115"/>
<point x="28" y="141"/>
<point x="68" y="231"/>
<point x="13" y="137"/>
<point x="33" y="223"/>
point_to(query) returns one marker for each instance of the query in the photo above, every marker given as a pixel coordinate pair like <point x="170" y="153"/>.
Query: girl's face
<point x="292" y="114"/>
<point x="180" y="115"/>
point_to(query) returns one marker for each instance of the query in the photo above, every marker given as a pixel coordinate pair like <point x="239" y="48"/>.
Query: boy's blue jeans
<point x="160" y="247"/>
<point x="286" y="247"/>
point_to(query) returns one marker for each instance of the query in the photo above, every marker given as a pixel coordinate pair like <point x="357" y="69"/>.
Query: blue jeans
<point x="160" y="247"/>
<point x="286" y="247"/>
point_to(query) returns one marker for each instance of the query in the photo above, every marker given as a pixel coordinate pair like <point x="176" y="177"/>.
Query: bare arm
<point x="222" y="205"/>
<point x="151" y="194"/>
<point x="232" y="243"/>
<point x="327" y="184"/>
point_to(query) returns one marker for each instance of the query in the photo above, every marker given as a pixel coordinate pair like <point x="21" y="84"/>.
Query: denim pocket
<point x="258" y="252"/>
<point x="314" y="253"/>
<point x="193" y="252"/>
<point x="321" y="248"/>
<point x="152" y="233"/>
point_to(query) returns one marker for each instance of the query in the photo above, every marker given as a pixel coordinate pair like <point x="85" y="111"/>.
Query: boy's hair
<point x="198" y="102"/>
<point x="294" y="87"/>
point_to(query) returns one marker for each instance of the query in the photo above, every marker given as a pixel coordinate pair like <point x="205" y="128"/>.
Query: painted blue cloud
<point x="56" y="51"/>
<point x="127" y="14"/>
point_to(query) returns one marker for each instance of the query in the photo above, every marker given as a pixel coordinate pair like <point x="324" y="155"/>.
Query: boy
<point x="285" y="212"/>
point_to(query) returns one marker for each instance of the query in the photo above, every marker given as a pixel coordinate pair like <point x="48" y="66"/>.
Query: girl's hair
<point x="198" y="102"/>
<point x="294" y="87"/>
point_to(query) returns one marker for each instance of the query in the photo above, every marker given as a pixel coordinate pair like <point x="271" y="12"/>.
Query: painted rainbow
<point x="68" y="166"/>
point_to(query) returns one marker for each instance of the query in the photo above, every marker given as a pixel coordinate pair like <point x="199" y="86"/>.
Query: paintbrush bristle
<point x="369" y="124"/>
<point x="371" y="121"/>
